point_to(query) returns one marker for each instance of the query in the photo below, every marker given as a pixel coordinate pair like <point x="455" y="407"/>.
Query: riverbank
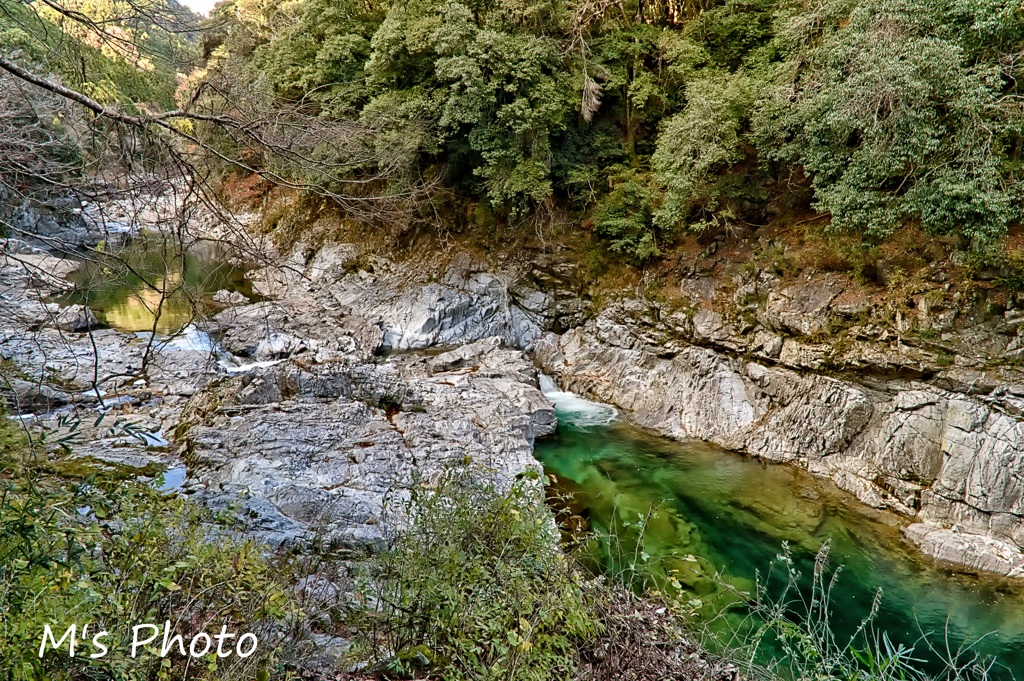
<point x="806" y="373"/>
<point x="298" y="419"/>
<point x="312" y="414"/>
<point x="904" y="395"/>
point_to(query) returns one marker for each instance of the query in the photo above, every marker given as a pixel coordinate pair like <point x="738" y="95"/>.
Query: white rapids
<point x="574" y="410"/>
<point x="193" y="339"/>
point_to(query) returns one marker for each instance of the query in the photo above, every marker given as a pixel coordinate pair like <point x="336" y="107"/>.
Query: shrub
<point x="697" y="145"/>
<point x="113" y="555"/>
<point x="478" y="588"/>
<point x="624" y="217"/>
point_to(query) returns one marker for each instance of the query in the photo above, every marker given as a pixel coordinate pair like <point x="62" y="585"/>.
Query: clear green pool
<point x="733" y="514"/>
<point x="150" y="283"/>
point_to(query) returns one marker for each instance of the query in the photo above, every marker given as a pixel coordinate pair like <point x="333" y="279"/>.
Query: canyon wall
<point x="789" y="384"/>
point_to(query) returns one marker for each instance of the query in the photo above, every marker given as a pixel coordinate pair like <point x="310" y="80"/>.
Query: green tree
<point x="892" y="119"/>
<point x="624" y="217"/>
<point x="317" y="53"/>
<point x="507" y="96"/>
<point x="698" y="144"/>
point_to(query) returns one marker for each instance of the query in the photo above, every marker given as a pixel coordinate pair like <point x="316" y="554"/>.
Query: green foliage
<point x="12" y="436"/>
<point x="133" y="65"/>
<point x="894" y="111"/>
<point x="893" y="120"/>
<point x="112" y="555"/>
<point x="698" y="144"/>
<point x="522" y="102"/>
<point x="735" y="32"/>
<point x="625" y="218"/>
<point x="484" y="82"/>
<point x="318" y="55"/>
<point x="636" y="91"/>
<point x="52" y="146"/>
<point x="506" y="98"/>
<point x="788" y="634"/>
<point x="477" y="588"/>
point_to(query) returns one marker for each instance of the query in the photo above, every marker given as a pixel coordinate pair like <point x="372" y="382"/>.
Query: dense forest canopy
<point x="644" y="119"/>
<point x="652" y="117"/>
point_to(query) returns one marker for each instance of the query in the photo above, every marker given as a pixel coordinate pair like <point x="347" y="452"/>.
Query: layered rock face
<point x="321" y="434"/>
<point x="429" y="303"/>
<point x="292" y="416"/>
<point x="938" y="448"/>
<point x="306" y="411"/>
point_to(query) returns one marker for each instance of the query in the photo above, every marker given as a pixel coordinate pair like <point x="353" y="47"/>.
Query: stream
<point x="148" y="284"/>
<point x="713" y="511"/>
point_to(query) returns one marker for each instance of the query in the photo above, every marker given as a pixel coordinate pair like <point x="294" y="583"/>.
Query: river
<point x="715" y="511"/>
<point x="150" y="283"/>
<point x="711" y="520"/>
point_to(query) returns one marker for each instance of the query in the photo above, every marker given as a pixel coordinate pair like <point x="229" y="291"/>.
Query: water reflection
<point x="150" y="283"/>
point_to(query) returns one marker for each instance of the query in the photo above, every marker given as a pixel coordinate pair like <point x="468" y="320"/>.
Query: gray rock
<point x="55" y="224"/>
<point x="75" y="319"/>
<point x="464" y="355"/>
<point x="225" y="297"/>
<point x="967" y="550"/>
<point x="711" y="327"/>
<point x="300" y="458"/>
<point x="296" y="325"/>
<point x="465" y="303"/>
<point x="294" y="421"/>
<point x="802" y="308"/>
<point x="19" y="247"/>
<point x="25" y="397"/>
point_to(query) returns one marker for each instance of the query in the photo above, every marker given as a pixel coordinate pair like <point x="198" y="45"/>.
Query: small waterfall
<point x="191" y="338"/>
<point x="574" y="410"/>
<point x="248" y="366"/>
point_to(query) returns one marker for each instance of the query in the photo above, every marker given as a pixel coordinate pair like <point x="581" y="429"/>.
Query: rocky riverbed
<point x="292" y="417"/>
<point x="312" y="409"/>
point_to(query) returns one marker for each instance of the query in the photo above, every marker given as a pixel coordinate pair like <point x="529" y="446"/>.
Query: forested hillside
<point x="640" y="121"/>
<point x="128" y="57"/>
<point x="116" y="52"/>
<point x="655" y="118"/>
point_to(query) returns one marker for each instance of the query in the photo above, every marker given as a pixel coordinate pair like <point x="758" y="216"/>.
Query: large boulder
<point x="330" y="450"/>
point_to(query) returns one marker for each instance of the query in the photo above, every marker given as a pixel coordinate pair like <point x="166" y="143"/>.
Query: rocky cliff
<point x="800" y="374"/>
<point x="916" y="409"/>
<point x="315" y="410"/>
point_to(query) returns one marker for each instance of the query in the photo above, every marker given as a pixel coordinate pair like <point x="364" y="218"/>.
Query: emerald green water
<point x="720" y="511"/>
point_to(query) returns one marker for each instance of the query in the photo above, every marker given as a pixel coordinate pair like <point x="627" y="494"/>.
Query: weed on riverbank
<point x="788" y="634"/>
<point x="474" y="583"/>
<point x="105" y="556"/>
<point x="784" y="629"/>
